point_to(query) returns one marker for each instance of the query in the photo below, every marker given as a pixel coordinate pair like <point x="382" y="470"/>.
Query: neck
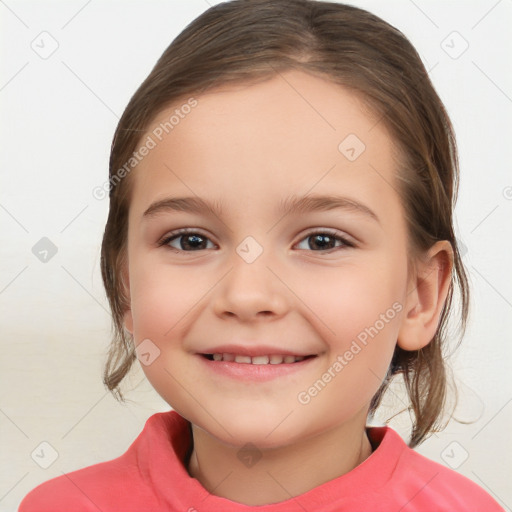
<point x="277" y="474"/>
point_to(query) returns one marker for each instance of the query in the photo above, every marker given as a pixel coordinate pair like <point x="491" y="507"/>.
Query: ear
<point x="428" y="291"/>
<point x="125" y="285"/>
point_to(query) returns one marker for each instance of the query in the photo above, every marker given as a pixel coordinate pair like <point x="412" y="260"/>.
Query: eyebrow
<point x="290" y="205"/>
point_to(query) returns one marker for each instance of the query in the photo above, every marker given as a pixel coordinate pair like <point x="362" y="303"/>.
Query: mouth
<point x="258" y="367"/>
<point x="270" y="359"/>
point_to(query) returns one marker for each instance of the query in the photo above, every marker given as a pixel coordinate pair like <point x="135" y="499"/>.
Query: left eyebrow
<point x="311" y="203"/>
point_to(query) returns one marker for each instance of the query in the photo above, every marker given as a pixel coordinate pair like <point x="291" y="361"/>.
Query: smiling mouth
<point x="257" y="360"/>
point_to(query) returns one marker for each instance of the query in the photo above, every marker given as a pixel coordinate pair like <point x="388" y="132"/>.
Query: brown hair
<point x="250" y="40"/>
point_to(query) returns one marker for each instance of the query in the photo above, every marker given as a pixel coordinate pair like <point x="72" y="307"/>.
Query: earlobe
<point x="425" y="300"/>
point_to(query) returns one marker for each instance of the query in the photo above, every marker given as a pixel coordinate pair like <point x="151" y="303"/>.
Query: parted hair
<point x="245" y="41"/>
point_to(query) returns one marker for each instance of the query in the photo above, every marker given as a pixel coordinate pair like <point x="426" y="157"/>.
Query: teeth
<point x="260" y="360"/>
<point x="242" y="359"/>
<point x="270" y="359"/>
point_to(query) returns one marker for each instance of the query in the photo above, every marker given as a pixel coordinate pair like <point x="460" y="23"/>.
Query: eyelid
<point x="182" y="231"/>
<point x="345" y="238"/>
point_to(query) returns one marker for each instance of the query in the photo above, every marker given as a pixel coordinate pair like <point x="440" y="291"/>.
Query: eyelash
<point x="326" y="231"/>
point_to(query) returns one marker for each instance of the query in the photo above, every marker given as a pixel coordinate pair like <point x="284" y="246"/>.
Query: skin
<point x="247" y="148"/>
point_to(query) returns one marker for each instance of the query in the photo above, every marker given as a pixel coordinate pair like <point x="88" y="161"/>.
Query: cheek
<point x="161" y="297"/>
<point x="352" y="298"/>
<point x="164" y="301"/>
<point x="365" y="326"/>
<point x="358" y="311"/>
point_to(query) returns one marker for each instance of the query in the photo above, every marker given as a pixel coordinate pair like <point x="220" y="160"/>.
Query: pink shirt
<point x="151" y="476"/>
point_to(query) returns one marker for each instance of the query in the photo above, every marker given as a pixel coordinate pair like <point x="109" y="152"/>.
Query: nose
<point x="250" y="292"/>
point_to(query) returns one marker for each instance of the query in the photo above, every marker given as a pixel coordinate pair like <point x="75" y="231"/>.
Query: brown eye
<point x="187" y="241"/>
<point x="320" y="241"/>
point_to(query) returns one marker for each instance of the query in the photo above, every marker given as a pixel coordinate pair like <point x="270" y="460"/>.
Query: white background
<point x="58" y="117"/>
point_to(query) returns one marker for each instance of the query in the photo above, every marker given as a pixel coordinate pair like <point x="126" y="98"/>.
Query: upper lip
<point x="254" y="350"/>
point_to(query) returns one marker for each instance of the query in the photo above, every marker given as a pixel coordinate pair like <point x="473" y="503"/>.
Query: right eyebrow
<point x="183" y="204"/>
<point x="315" y="203"/>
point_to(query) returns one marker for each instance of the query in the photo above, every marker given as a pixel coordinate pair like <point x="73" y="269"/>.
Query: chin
<point x="262" y="428"/>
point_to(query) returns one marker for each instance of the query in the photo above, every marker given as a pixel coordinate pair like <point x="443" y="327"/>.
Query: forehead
<point x="289" y="134"/>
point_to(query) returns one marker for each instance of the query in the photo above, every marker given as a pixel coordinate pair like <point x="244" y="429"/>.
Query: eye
<point x="324" y="240"/>
<point x="186" y="240"/>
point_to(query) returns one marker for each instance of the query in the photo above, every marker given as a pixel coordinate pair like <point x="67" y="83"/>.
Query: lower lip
<point x="255" y="372"/>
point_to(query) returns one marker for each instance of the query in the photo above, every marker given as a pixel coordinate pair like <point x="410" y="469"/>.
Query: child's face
<point x="248" y="149"/>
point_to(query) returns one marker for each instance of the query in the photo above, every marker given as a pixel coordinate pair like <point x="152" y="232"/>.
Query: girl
<point x="279" y="246"/>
